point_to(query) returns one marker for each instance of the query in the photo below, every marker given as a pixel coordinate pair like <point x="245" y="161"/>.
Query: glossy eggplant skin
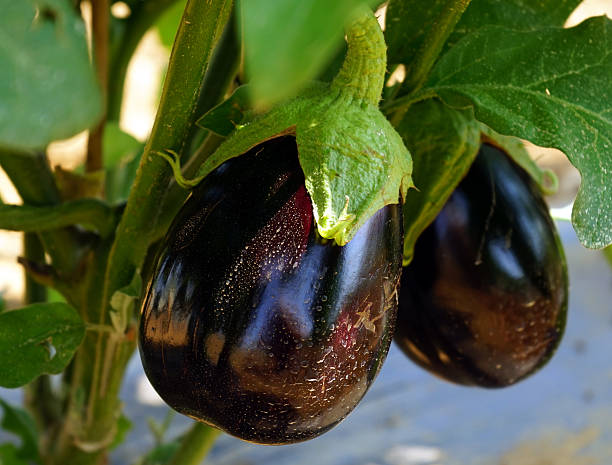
<point x="484" y="300"/>
<point x="252" y="322"/>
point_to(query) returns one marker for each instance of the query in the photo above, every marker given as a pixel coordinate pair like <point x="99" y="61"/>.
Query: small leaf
<point x="118" y="145"/>
<point x="551" y="87"/>
<point x="122" y="154"/>
<point x="288" y="42"/>
<point x="407" y="23"/>
<point x="443" y="143"/>
<point x="226" y="116"/>
<point x="168" y="23"/>
<point x="48" y="89"/>
<point x="20" y="423"/>
<point x="514" y="147"/>
<point x="37" y="339"/>
<point x="124" y="425"/>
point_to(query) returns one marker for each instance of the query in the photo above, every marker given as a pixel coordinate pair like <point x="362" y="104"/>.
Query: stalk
<point x="363" y="69"/>
<point x="100" y="362"/>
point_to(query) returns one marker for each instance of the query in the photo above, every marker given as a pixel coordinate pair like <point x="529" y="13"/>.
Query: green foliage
<point x="507" y="71"/>
<point x="443" y="143"/>
<point x="168" y="23"/>
<point x="48" y="90"/>
<point x="20" y="423"/>
<point x="37" y="339"/>
<point x="121" y="158"/>
<point x="409" y="22"/>
<point x="552" y="88"/>
<point x="282" y="50"/>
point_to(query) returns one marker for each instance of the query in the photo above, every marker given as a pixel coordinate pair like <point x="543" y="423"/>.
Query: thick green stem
<point x="363" y="70"/>
<point x="198" y="33"/>
<point x="195" y="445"/>
<point x="100" y="362"/>
<point x="431" y="47"/>
<point x="89" y="213"/>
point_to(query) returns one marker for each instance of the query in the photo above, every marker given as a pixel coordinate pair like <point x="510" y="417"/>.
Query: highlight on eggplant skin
<point x="252" y="322"/>
<point x="484" y="301"/>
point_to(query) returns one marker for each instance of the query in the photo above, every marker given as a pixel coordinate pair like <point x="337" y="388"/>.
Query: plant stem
<point x="195" y="445"/>
<point x="90" y="213"/>
<point x="33" y="250"/>
<point x="100" y="37"/>
<point x="363" y="70"/>
<point x="431" y="47"/>
<point x="100" y="361"/>
<point x="198" y="32"/>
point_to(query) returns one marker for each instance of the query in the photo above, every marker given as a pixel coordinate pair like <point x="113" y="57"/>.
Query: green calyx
<point x="354" y="161"/>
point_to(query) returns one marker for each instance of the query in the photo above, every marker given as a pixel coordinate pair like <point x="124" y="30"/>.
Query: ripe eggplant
<point x="484" y="300"/>
<point x="255" y="324"/>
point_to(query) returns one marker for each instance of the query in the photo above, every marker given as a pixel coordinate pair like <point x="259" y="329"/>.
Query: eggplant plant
<point x="299" y="150"/>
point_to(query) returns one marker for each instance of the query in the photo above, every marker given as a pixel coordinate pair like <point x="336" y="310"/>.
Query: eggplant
<point x="255" y="324"/>
<point x="484" y="301"/>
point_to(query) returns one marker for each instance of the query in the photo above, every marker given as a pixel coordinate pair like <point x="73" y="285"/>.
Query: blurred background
<point x="560" y="416"/>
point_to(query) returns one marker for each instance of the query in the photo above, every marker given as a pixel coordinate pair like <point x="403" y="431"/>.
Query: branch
<point x="198" y="33"/>
<point x="89" y="213"/>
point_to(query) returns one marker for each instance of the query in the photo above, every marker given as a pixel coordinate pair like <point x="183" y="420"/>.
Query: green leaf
<point x="288" y="42"/>
<point x="20" y="423"/>
<point x="407" y="22"/>
<point x="37" y="339"/>
<point x="443" y="143"/>
<point x="122" y="154"/>
<point x="124" y="425"/>
<point x="168" y="23"/>
<point x="48" y="89"/>
<point x="228" y="115"/>
<point x="514" y="147"/>
<point x="118" y="145"/>
<point x="551" y="87"/>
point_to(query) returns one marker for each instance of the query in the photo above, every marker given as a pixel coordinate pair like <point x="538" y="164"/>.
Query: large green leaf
<point x="37" y="339"/>
<point x="443" y="143"/>
<point x="48" y="89"/>
<point x="287" y="42"/>
<point x="20" y="423"/>
<point x="552" y="87"/>
<point x="407" y="22"/>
